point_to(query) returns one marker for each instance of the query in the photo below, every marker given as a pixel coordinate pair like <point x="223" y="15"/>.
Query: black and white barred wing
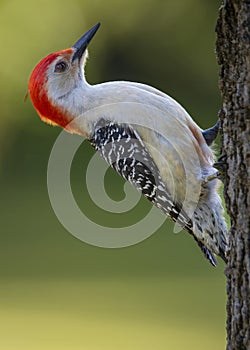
<point x="121" y="146"/>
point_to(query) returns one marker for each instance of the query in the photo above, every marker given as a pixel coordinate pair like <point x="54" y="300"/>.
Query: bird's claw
<point x="221" y="166"/>
<point x="211" y="177"/>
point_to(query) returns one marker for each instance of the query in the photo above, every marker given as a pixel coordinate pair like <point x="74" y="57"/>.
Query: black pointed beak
<point x="81" y="45"/>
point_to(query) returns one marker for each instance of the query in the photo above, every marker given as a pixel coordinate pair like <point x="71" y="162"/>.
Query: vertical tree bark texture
<point x="233" y="54"/>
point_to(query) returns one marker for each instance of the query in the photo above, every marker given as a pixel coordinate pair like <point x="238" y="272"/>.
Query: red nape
<point x="38" y="92"/>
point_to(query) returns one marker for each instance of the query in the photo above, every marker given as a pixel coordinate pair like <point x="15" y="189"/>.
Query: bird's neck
<point x="70" y="110"/>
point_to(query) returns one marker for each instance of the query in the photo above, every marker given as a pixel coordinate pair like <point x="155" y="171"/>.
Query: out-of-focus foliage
<point x="57" y="292"/>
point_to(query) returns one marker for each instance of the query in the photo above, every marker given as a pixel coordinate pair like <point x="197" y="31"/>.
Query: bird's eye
<point x="61" y="67"/>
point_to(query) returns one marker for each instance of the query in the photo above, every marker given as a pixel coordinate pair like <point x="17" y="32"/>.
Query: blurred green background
<point x="56" y="291"/>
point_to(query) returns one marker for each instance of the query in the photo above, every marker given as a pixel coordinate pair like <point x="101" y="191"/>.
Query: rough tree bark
<point x="233" y="54"/>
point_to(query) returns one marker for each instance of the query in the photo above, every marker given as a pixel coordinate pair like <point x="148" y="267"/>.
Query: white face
<point x="64" y="76"/>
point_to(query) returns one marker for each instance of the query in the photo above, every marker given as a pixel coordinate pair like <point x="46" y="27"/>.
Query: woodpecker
<point x="144" y="135"/>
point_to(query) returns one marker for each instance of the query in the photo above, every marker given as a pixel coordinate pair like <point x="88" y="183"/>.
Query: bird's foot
<point x="211" y="177"/>
<point x="221" y="166"/>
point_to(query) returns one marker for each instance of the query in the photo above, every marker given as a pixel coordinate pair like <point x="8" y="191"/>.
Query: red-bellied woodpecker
<point x="145" y="135"/>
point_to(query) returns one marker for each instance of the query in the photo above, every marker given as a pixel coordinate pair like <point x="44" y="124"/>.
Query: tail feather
<point x="207" y="253"/>
<point x="210" y="230"/>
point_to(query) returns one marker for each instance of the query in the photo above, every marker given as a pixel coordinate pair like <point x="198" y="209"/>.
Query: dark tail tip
<point x="207" y="253"/>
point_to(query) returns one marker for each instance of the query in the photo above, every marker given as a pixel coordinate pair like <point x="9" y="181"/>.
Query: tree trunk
<point x="233" y="54"/>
